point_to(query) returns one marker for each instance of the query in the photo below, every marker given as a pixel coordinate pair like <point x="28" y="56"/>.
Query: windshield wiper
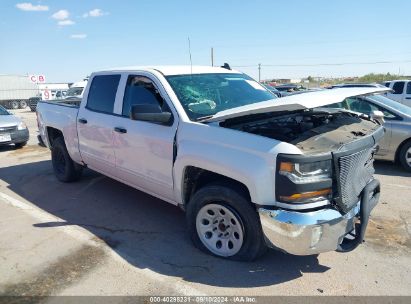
<point x="204" y="118"/>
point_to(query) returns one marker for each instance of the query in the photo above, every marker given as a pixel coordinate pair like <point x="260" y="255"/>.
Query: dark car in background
<point x="272" y="90"/>
<point x="356" y="85"/>
<point x="289" y="87"/>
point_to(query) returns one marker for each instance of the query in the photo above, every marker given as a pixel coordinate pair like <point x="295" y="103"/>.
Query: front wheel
<point x="22" y="104"/>
<point x="223" y="222"/>
<point x="65" y="169"/>
<point x="20" y="145"/>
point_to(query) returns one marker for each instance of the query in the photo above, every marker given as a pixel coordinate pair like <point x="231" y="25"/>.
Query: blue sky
<point x="68" y="39"/>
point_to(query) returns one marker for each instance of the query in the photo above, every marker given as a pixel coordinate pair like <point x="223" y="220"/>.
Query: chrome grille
<point x="356" y="171"/>
<point x="7" y="130"/>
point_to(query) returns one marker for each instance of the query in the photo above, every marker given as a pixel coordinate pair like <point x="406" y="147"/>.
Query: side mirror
<point x="378" y="116"/>
<point x="150" y="113"/>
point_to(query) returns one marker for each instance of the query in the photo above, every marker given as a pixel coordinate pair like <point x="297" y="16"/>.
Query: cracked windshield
<point x="207" y="94"/>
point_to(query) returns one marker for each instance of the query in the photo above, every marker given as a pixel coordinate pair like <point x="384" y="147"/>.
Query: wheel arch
<point x="53" y="134"/>
<point x="195" y="178"/>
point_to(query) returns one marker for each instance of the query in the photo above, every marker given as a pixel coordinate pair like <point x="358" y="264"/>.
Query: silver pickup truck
<point x="249" y="170"/>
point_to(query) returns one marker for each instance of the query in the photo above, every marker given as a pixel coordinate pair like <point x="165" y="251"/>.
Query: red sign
<point x="37" y="78"/>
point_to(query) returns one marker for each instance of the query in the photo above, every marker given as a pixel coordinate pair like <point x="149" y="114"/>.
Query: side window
<point x="102" y="93"/>
<point x="398" y="87"/>
<point x="387" y="84"/>
<point x="140" y="90"/>
<point x="365" y="107"/>
<point x="409" y="87"/>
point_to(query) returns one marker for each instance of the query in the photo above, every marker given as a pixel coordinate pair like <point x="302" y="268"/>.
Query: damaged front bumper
<point x="308" y="233"/>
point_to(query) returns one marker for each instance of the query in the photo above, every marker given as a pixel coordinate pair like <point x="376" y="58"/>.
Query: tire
<point x="65" y="169"/>
<point x="23" y="104"/>
<point x="20" y="145"/>
<point x="33" y="109"/>
<point x="14" y="104"/>
<point x="241" y="223"/>
<point x="405" y="156"/>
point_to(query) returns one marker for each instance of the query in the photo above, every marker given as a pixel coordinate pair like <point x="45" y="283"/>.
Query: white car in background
<point x="401" y="91"/>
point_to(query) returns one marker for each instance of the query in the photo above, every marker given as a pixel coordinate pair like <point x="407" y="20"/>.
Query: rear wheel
<point x="223" y="222"/>
<point x="65" y="169"/>
<point x="14" y="104"/>
<point x="405" y="156"/>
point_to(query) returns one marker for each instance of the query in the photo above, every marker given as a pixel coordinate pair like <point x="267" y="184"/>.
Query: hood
<point x="302" y="101"/>
<point x="9" y="121"/>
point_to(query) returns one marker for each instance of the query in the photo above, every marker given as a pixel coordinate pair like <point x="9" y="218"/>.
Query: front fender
<point x="244" y="157"/>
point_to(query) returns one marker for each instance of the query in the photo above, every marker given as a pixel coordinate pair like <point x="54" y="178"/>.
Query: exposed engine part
<point x="311" y="131"/>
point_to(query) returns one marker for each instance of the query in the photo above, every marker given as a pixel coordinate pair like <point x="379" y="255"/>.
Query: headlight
<point x="307" y="197"/>
<point x="21" y="126"/>
<point x="301" y="173"/>
<point x="304" y="179"/>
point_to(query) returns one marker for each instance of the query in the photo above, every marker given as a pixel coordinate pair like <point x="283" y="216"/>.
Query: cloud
<point x="78" y="36"/>
<point x="26" y="6"/>
<point x="61" y="15"/>
<point x="66" y="22"/>
<point x="95" y="13"/>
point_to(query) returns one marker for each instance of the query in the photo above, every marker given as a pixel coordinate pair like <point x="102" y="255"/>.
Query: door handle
<point x="82" y="120"/>
<point x="120" y="130"/>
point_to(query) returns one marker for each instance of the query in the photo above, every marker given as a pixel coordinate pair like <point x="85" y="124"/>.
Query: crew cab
<point x="401" y="91"/>
<point x="250" y="171"/>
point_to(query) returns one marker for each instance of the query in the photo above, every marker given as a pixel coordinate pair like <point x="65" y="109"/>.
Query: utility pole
<point x="212" y="57"/>
<point x="259" y="72"/>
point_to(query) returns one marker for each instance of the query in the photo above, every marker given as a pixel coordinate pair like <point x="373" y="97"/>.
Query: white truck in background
<point x="401" y="91"/>
<point x="76" y="90"/>
<point x="72" y="95"/>
<point x="250" y="171"/>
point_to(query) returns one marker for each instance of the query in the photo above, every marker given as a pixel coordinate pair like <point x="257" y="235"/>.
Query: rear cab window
<point x="102" y="93"/>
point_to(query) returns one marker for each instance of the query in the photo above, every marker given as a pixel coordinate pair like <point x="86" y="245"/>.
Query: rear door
<point x="144" y="150"/>
<point x="398" y="91"/>
<point x="95" y="124"/>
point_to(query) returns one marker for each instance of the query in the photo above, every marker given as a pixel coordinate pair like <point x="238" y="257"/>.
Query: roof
<point x="176" y="69"/>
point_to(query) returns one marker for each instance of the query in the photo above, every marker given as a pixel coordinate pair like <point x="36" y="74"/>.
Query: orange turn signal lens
<point x="286" y="167"/>
<point x="305" y="195"/>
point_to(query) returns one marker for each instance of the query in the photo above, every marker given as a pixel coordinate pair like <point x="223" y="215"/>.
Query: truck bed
<point x="72" y="102"/>
<point x="60" y="115"/>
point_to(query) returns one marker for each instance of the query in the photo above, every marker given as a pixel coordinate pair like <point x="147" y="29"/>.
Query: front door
<point x="144" y="150"/>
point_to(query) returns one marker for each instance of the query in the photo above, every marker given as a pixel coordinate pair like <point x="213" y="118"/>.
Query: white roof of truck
<point x="176" y="69"/>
